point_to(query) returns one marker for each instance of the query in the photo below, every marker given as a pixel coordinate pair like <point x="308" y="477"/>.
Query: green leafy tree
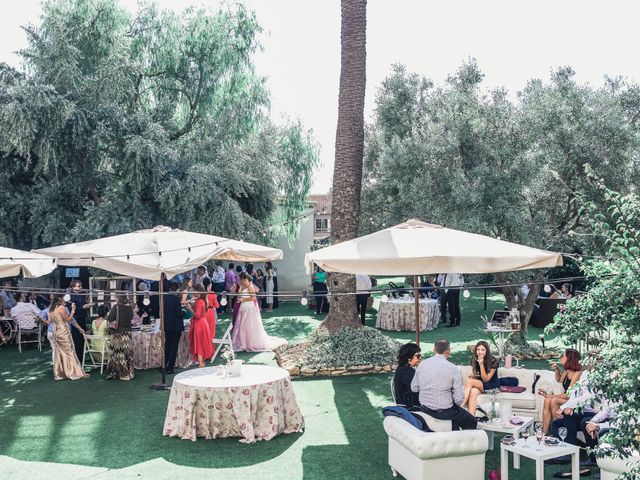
<point x="478" y="161"/>
<point x="610" y="310"/>
<point x="120" y="123"/>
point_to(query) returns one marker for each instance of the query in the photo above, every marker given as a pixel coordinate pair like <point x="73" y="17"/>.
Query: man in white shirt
<point x="450" y="297"/>
<point x="440" y="390"/>
<point x="201" y="273"/>
<point x="25" y="314"/>
<point x="363" y="291"/>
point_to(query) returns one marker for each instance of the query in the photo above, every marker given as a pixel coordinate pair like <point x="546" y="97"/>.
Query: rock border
<point x="338" y="371"/>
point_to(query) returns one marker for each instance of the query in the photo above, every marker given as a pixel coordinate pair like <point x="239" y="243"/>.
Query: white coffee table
<point x="518" y="449"/>
<point x="506" y="428"/>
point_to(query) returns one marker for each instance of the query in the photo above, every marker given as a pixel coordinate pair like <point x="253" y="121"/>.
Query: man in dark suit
<point x="173" y="326"/>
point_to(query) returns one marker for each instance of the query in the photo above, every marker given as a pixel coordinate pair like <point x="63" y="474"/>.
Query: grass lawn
<point x="111" y="429"/>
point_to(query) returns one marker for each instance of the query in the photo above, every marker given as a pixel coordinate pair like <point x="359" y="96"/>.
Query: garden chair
<point x="95" y="357"/>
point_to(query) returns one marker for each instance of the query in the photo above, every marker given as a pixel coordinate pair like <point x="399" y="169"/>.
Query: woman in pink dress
<point x="200" y="343"/>
<point x="248" y="333"/>
<point x="212" y="305"/>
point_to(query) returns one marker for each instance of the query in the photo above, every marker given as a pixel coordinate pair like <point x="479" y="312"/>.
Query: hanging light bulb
<point x="93" y="260"/>
<point x="547" y="287"/>
<point x="579" y="259"/>
<point x="466" y="293"/>
<point x="128" y="258"/>
<point x="223" y="300"/>
<point x="67" y="297"/>
<point x="384" y="297"/>
<point x="146" y="301"/>
<point x="304" y="300"/>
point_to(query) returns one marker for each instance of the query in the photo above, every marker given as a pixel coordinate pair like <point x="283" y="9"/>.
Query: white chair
<point x="224" y="340"/>
<point x="37" y="331"/>
<point x="97" y="357"/>
<point x="418" y="455"/>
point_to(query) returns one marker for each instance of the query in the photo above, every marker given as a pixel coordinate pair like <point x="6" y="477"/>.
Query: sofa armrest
<point x="425" y="445"/>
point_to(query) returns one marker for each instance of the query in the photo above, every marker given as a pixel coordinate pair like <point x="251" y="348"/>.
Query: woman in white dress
<point x="269" y="282"/>
<point x="248" y="333"/>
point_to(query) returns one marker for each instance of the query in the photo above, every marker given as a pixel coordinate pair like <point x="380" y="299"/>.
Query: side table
<point x="545" y="453"/>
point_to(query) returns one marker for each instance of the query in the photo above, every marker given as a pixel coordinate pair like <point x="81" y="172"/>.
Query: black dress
<point x="494" y="382"/>
<point x="402" y="386"/>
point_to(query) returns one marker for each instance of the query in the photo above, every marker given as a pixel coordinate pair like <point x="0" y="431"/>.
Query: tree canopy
<point x="485" y="162"/>
<point x="122" y="122"/>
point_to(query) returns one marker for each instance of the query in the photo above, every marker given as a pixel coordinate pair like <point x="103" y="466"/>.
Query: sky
<point x="513" y="41"/>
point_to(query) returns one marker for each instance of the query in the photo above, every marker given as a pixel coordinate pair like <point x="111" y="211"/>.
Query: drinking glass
<point x="539" y="436"/>
<point x="562" y="433"/>
<point x="526" y="433"/>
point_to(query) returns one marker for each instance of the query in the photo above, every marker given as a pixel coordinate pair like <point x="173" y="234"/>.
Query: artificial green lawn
<point x="112" y="429"/>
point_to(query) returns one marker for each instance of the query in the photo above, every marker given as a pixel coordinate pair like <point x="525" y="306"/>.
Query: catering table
<point x="148" y="352"/>
<point x="400" y="314"/>
<point x="258" y="405"/>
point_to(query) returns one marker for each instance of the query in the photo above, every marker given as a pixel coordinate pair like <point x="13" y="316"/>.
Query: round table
<point x="400" y="314"/>
<point x="148" y="352"/>
<point x="258" y="405"/>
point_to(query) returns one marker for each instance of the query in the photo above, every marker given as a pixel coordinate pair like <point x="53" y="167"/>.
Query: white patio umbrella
<point x="417" y="248"/>
<point x="14" y="262"/>
<point x="155" y="252"/>
<point x="160" y="250"/>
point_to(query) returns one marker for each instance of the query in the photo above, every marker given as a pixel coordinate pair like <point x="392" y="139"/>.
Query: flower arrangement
<point x="227" y="354"/>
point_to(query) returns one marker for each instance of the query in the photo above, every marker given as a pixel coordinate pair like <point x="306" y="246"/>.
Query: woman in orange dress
<point x="200" y="341"/>
<point x="212" y="305"/>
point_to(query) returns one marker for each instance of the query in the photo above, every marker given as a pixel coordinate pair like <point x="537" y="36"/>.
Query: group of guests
<point x="435" y="387"/>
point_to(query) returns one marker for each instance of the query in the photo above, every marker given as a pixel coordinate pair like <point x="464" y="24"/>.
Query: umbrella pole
<point x="416" y="295"/>
<point x="163" y="384"/>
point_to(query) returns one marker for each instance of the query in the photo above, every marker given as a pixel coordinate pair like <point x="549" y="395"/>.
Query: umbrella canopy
<point x="416" y="248"/>
<point x="13" y="262"/>
<point x="149" y="253"/>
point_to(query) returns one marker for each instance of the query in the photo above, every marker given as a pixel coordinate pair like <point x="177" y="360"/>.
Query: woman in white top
<point x="269" y="283"/>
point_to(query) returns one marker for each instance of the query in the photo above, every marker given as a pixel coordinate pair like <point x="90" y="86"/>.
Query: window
<point x="322" y="224"/>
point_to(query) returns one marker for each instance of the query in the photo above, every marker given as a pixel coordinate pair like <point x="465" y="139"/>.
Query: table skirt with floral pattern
<point x="147" y="351"/>
<point x="258" y="405"/>
<point x="400" y="315"/>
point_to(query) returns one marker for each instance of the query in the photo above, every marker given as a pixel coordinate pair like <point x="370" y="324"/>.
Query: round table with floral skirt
<point x="148" y="352"/>
<point x="257" y="405"/>
<point x="400" y="314"/>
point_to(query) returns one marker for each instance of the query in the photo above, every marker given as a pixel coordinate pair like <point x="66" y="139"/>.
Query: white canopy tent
<point x="15" y="262"/>
<point x="417" y="248"/>
<point x="161" y="250"/>
<point x="155" y="252"/>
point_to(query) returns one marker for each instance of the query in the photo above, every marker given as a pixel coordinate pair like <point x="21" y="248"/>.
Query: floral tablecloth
<point x="147" y="351"/>
<point x="400" y="315"/>
<point x="258" y="405"/>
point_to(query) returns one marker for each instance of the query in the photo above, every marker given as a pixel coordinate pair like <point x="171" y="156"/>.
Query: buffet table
<point x="257" y="405"/>
<point x="399" y="314"/>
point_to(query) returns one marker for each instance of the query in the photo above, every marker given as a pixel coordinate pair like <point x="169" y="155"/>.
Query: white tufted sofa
<point x="526" y="403"/>
<point x="614" y="468"/>
<point x="418" y="455"/>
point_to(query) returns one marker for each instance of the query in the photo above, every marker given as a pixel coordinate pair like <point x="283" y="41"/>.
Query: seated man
<point x="25" y="314"/>
<point x="595" y="428"/>
<point x="440" y="391"/>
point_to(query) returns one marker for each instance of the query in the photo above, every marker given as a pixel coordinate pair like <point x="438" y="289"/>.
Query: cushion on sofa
<point x="525" y="400"/>
<point x="435" y="424"/>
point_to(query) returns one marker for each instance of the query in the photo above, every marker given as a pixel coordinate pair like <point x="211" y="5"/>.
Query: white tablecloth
<point x="399" y="315"/>
<point x="258" y="405"/>
<point x="148" y="352"/>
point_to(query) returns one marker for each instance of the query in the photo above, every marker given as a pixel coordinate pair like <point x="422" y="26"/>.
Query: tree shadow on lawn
<point x="106" y="423"/>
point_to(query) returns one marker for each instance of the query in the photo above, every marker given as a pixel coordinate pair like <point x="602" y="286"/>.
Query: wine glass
<point x="526" y="433"/>
<point x="539" y="436"/>
<point x="562" y="433"/>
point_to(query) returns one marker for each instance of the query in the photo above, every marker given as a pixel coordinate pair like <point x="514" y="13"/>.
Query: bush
<point x="348" y="347"/>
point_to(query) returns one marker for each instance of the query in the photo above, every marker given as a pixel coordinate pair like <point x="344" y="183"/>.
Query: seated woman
<point x="570" y="361"/>
<point x="99" y="328"/>
<point x="408" y="359"/>
<point x="564" y="292"/>
<point x="484" y="375"/>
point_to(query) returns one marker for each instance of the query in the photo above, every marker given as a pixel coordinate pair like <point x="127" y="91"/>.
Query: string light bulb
<point x="223" y="300"/>
<point x="128" y="258"/>
<point x="67" y="297"/>
<point x="93" y="260"/>
<point x="303" y="300"/>
<point x="466" y="293"/>
<point x="384" y="297"/>
<point x="547" y="287"/>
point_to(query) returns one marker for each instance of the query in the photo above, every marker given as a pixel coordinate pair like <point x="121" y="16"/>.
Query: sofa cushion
<point x="435" y="424"/>
<point x="525" y="400"/>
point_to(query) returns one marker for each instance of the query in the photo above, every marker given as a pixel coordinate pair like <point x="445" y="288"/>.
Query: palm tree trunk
<point x="347" y="170"/>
